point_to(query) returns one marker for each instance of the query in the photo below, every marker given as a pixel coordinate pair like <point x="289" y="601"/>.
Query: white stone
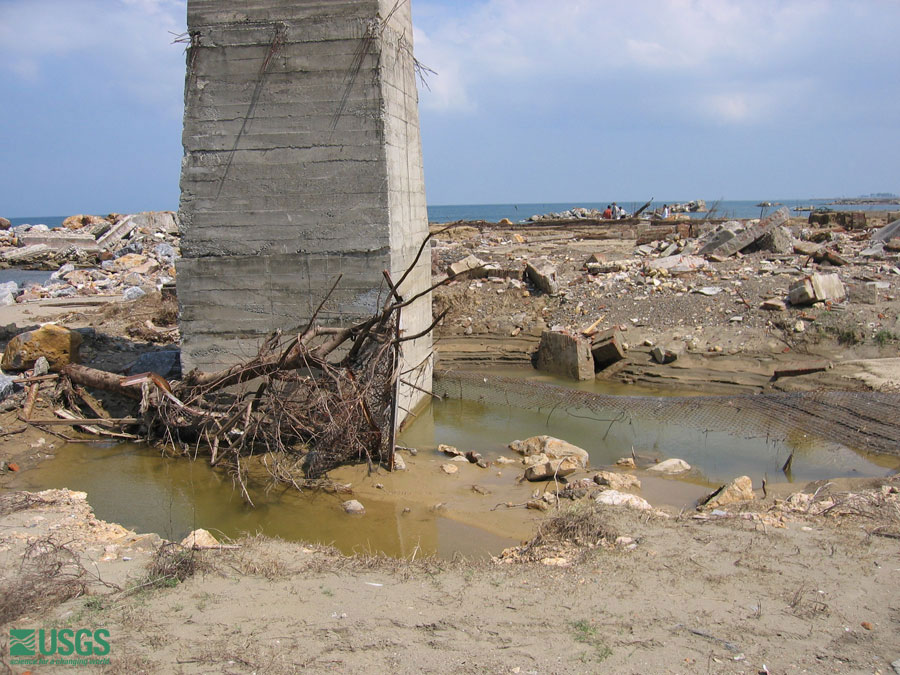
<point x="673" y="465"/>
<point x="616" y="498"/>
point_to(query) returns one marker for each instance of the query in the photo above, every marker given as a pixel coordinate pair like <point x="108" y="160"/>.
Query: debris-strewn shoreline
<point x="757" y="582"/>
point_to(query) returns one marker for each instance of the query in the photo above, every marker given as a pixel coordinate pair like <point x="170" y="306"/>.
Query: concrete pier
<point x="302" y="161"/>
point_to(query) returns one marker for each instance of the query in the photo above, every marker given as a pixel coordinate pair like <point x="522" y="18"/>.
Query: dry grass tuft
<point x="49" y="575"/>
<point x="172" y="564"/>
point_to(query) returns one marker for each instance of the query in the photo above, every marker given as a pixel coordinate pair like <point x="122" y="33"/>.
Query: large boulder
<point x="554" y="448"/>
<point x="5" y="224"/>
<point x="59" y="345"/>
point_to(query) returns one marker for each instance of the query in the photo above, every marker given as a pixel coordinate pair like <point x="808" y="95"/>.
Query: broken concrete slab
<point x="889" y="231"/>
<point x="117" y="233"/>
<point x="750" y="235"/>
<point x="543" y="275"/>
<point x="59" y="241"/>
<point x="468" y="267"/>
<point x="679" y="264"/>
<point x="27" y="254"/>
<point x="567" y="355"/>
<point x="817" y="288"/>
<point x="807" y="248"/>
<point x="774" y="305"/>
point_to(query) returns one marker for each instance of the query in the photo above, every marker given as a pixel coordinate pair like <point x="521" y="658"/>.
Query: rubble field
<point x="793" y="578"/>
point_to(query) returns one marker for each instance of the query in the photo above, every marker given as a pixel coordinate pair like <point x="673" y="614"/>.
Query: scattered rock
<point x="449" y="450"/>
<point x="670" y="466"/>
<point x="59" y="345"/>
<point x="399" y="462"/>
<point x="200" y="539"/>
<point x="7" y="386"/>
<point x="554" y="468"/>
<point x="41" y="366"/>
<point x="617" y="481"/>
<point x="616" y="498"/>
<point x="354" y="507"/>
<point x="626" y="462"/>
<point x="133" y="293"/>
<point x="4" y="224"/>
<point x="553" y="448"/>
<point x="468" y="267"/>
<point x="449" y="469"/>
<point x="738" y="490"/>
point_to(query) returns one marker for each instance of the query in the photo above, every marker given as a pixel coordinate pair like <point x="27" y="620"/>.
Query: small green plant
<point x="585" y="633"/>
<point x="326" y="591"/>
<point x="883" y="337"/>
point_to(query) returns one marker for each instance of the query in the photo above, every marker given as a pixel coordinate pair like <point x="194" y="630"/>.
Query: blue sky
<point x="533" y="101"/>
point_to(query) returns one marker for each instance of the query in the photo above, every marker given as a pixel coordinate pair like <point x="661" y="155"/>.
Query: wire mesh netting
<point x="862" y="420"/>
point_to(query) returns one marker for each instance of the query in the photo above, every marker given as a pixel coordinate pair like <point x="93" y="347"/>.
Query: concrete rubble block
<point x="663" y="356"/>
<point x="554" y="468"/>
<point x="550" y="448"/>
<point x="125" y="263"/>
<point x="566" y="355"/>
<point x="606" y="351"/>
<point x="679" y="264"/>
<point x="750" y="235"/>
<point x="59" y="241"/>
<point x="671" y="466"/>
<point x="60" y="346"/>
<point x="817" y="288"/>
<point x="542" y="274"/>
<point x="778" y="240"/>
<point x="7" y="386"/>
<point x="469" y="267"/>
<point x="156" y="221"/>
<point x="617" y="481"/>
<point x="738" y="490"/>
<point x="892" y="244"/>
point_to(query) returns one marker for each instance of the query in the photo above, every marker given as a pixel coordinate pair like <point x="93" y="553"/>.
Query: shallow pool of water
<point x="423" y="510"/>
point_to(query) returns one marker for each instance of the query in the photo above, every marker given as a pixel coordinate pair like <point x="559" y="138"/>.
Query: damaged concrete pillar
<point x="302" y="161"/>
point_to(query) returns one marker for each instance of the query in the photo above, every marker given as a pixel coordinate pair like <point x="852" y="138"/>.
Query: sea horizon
<point x="522" y="211"/>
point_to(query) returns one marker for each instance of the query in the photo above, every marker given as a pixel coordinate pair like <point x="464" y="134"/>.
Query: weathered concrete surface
<point x="302" y="161"/>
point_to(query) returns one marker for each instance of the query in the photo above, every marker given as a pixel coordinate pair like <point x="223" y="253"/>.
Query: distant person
<point x="607" y="215"/>
<point x="665" y="211"/>
<point x="615" y="210"/>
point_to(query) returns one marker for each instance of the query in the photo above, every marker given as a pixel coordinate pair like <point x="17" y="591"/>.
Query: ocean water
<point x="448" y="213"/>
<point x="725" y="209"/>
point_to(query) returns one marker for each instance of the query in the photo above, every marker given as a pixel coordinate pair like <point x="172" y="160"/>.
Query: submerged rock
<point x="616" y="481"/>
<point x="554" y="468"/>
<point x="673" y="465"/>
<point x="354" y="507"/>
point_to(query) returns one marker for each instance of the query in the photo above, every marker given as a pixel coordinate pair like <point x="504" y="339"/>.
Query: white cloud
<point x="528" y="42"/>
<point x="129" y="42"/>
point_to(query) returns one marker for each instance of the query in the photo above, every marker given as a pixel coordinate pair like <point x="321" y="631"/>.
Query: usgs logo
<point x="58" y="642"/>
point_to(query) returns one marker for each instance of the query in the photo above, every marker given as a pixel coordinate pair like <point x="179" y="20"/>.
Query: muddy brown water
<point x="424" y="511"/>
